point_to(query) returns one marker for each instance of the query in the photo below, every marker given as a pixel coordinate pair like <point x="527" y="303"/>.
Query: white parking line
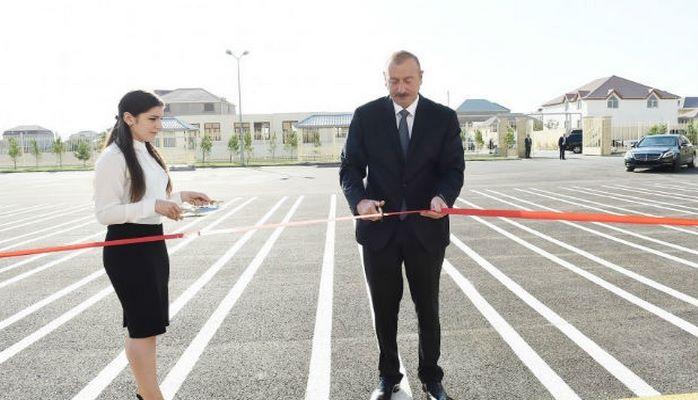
<point x="625" y="210"/>
<point x="557" y="387"/>
<point x="45" y="217"/>
<point x="93" y="389"/>
<point x="50" y="229"/>
<point x="84" y="281"/>
<point x="56" y="323"/>
<point x="680" y="189"/>
<point x="663" y="193"/>
<point x="25" y="210"/>
<point x="617" y="239"/>
<point x="647" y="306"/>
<point x="38" y="256"/>
<point x="174" y="379"/>
<point x="630" y="274"/>
<point x="628" y="199"/>
<point x="405" y="383"/>
<point x="633" y="382"/>
<point x="56" y="208"/>
<point x="319" y="372"/>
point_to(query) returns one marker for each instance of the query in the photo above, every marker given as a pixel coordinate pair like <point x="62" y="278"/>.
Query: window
<point x="169" y="140"/>
<point x="652" y="102"/>
<point x="167" y="108"/>
<point x="261" y="130"/>
<point x="579" y="104"/>
<point x="208" y="107"/>
<point x="567" y="106"/>
<point x="612" y="102"/>
<point x="213" y="129"/>
<point x="245" y="127"/>
<point x="341" y="132"/>
<point x="311" y="136"/>
<point x="197" y="127"/>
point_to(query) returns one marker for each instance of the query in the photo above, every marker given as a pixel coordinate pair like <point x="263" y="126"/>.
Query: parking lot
<point x="529" y="309"/>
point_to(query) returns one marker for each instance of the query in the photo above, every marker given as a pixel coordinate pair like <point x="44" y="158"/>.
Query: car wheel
<point x="577" y="149"/>
<point x="630" y="169"/>
<point x="677" y="165"/>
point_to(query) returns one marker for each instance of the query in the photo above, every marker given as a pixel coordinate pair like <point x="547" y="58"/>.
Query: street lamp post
<point x="241" y="138"/>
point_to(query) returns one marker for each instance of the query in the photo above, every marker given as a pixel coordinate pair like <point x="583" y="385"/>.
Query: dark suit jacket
<point x="561" y="142"/>
<point x="433" y="167"/>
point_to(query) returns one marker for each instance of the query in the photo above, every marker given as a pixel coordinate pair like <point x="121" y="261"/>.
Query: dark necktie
<point x="404" y="131"/>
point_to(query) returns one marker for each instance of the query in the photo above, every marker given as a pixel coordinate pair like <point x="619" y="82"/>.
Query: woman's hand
<point x="168" y="209"/>
<point x="195" y="198"/>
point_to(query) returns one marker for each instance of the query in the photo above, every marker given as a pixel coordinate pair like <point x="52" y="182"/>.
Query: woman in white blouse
<point x="132" y="191"/>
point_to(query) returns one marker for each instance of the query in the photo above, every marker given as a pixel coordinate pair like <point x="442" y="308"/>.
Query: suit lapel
<point x="391" y="128"/>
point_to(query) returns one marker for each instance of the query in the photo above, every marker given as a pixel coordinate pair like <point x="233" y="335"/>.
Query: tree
<point x="58" y="148"/>
<point x="233" y="145"/>
<point x="509" y="138"/>
<point x="14" y="151"/>
<point x="292" y="142"/>
<point x="36" y="152"/>
<point x="657" y="129"/>
<point x="83" y="152"/>
<point x="206" y="146"/>
<point x="478" y="138"/>
<point x="272" y="145"/>
<point x="247" y="145"/>
<point x="692" y="132"/>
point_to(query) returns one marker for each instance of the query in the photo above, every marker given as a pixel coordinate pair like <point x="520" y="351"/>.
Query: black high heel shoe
<point x="139" y="396"/>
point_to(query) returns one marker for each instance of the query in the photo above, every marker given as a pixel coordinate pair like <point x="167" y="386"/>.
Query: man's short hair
<point x="401" y="56"/>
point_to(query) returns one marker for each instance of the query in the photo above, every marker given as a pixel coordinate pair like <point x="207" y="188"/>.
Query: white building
<point x="24" y="134"/>
<point x="627" y="102"/>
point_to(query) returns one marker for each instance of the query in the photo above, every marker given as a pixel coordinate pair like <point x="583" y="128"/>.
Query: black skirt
<point x="140" y="274"/>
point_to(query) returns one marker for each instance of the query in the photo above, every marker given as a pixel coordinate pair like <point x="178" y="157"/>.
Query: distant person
<point x="132" y="191"/>
<point x="561" y="144"/>
<point x="527" y="143"/>
<point x="490" y="145"/>
<point x="409" y="149"/>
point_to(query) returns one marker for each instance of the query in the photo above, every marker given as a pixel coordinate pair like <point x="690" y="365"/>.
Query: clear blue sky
<point x="65" y="65"/>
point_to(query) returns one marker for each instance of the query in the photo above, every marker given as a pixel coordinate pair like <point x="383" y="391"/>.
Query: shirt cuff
<point x="176" y="197"/>
<point x="148" y="209"/>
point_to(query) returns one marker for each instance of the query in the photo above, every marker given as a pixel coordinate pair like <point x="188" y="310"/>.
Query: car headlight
<point x="628" y="155"/>
<point x="669" y="154"/>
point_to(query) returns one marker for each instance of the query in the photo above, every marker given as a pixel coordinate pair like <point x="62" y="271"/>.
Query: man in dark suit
<point x="411" y="150"/>
<point x="561" y="144"/>
<point x="527" y="143"/>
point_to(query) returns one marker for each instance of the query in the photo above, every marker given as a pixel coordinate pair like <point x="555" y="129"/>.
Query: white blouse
<point x="112" y="185"/>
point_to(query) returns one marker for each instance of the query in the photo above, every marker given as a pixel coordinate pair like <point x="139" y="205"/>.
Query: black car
<point x="574" y="141"/>
<point x="661" y="151"/>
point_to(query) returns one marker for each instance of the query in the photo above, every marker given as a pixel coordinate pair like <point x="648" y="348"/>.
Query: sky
<point x="64" y="65"/>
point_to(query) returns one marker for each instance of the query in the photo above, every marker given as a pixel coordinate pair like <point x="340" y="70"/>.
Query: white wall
<point x="634" y="111"/>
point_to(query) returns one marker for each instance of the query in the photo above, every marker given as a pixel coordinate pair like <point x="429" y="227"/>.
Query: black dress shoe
<point x="435" y="391"/>
<point x="385" y="390"/>
<point x="139" y="396"/>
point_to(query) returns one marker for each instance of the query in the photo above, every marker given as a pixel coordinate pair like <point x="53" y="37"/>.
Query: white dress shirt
<point x="412" y="108"/>
<point x="112" y="185"/>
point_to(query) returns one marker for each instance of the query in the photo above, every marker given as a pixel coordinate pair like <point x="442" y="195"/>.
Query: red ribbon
<point x="534" y="215"/>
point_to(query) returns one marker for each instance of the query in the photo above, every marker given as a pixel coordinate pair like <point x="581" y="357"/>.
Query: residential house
<point x="626" y="102"/>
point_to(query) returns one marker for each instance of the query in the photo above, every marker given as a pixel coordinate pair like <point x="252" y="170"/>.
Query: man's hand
<point x="368" y="207"/>
<point x="437" y="203"/>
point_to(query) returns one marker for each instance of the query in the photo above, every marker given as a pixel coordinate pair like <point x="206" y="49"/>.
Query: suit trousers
<point x="384" y="275"/>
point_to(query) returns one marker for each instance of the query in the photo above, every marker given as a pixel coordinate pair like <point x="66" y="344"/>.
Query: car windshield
<point x="663" y="141"/>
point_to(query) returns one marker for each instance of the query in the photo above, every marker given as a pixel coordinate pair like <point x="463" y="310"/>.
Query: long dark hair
<point x="135" y="103"/>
